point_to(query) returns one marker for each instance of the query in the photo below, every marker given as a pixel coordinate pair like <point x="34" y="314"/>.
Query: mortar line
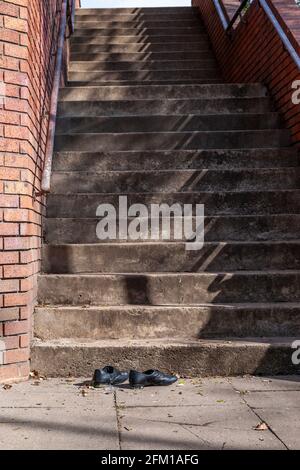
<point x="118" y="420"/>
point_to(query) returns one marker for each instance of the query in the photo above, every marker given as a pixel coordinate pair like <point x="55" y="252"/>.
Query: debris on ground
<point x="7" y="387"/>
<point x="262" y="426"/>
<point x="35" y="375"/>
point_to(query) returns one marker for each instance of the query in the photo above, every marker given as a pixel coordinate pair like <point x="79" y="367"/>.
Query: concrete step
<point x="120" y="18"/>
<point x="111" y="12"/>
<point x="144" y="75"/>
<point x="141" y="31"/>
<point x="166" y="107"/>
<point x="150" y="322"/>
<point x="123" y="18"/>
<point x="223" y="228"/>
<point x="152" y="22"/>
<point x="205" y="92"/>
<point x="173" y="140"/>
<point x="169" y="257"/>
<point x="175" y="181"/>
<point x="216" y="203"/>
<point x="159" y="65"/>
<point x="194" y="358"/>
<point x="159" y="107"/>
<point x="175" y="160"/>
<point x="145" y="57"/>
<point x="137" y="47"/>
<point x="92" y="37"/>
<point x="166" y="123"/>
<point x="150" y="82"/>
<point x="169" y="288"/>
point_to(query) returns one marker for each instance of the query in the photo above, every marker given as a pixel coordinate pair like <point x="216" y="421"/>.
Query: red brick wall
<point x="255" y="53"/>
<point x="26" y="72"/>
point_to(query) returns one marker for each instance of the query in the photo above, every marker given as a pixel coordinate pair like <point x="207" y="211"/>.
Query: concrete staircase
<point x="146" y="114"/>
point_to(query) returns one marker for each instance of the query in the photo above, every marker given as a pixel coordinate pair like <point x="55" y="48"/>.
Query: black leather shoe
<point x="150" y="377"/>
<point x="108" y="376"/>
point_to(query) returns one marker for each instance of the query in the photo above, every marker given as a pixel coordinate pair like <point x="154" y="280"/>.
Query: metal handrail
<point x="283" y="36"/>
<point x="67" y="17"/>
<point x="268" y="11"/>
<point x="221" y="14"/>
<point x="238" y="14"/>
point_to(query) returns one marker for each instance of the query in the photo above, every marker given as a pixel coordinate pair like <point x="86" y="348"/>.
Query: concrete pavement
<point x="218" y="413"/>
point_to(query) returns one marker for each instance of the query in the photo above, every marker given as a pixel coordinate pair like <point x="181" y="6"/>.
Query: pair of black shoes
<point x="111" y="376"/>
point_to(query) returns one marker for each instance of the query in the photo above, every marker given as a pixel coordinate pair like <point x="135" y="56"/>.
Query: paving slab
<point x="276" y="400"/>
<point x="283" y="400"/>
<point x="57" y="415"/>
<point x="195" y="392"/>
<point x="214" y="413"/>
<point x="275" y="383"/>
<point x="213" y="427"/>
<point x="285" y="423"/>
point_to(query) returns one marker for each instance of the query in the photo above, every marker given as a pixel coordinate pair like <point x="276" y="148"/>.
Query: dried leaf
<point x="261" y="427"/>
<point x="7" y="387"/>
<point x="34" y="374"/>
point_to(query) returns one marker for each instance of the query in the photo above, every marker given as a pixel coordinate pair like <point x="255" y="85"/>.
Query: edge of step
<point x="218" y="357"/>
<point x="146" y="321"/>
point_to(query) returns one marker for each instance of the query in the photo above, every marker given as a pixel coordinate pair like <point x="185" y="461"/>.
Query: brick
<point x="8" y="372"/>
<point x="16" y="132"/>
<point x="16" y="215"/>
<point x="14" y="50"/>
<point x="16" y="243"/>
<point x="16" y="78"/>
<point x="8" y="117"/>
<point x="9" y="36"/>
<point x="15" y="300"/>
<point x="16" y="355"/>
<point x="16" y="24"/>
<point x="9" y="257"/>
<point x="14" y="372"/>
<point x="9" y="9"/>
<point x="9" y="285"/>
<point x="24" y="341"/>
<point x="26" y="312"/>
<point x="11" y="342"/>
<point x="11" y="91"/>
<point x="8" y="314"/>
<point x="9" y="201"/>
<point x="7" y="229"/>
<point x="17" y="271"/>
<point x="9" y="174"/>
<point x="16" y="105"/>
<point x="17" y="188"/>
<point x="9" y="63"/>
<point x="16" y="328"/>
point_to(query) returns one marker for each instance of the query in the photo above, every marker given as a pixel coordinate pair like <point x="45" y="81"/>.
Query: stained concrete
<point x="216" y="413"/>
